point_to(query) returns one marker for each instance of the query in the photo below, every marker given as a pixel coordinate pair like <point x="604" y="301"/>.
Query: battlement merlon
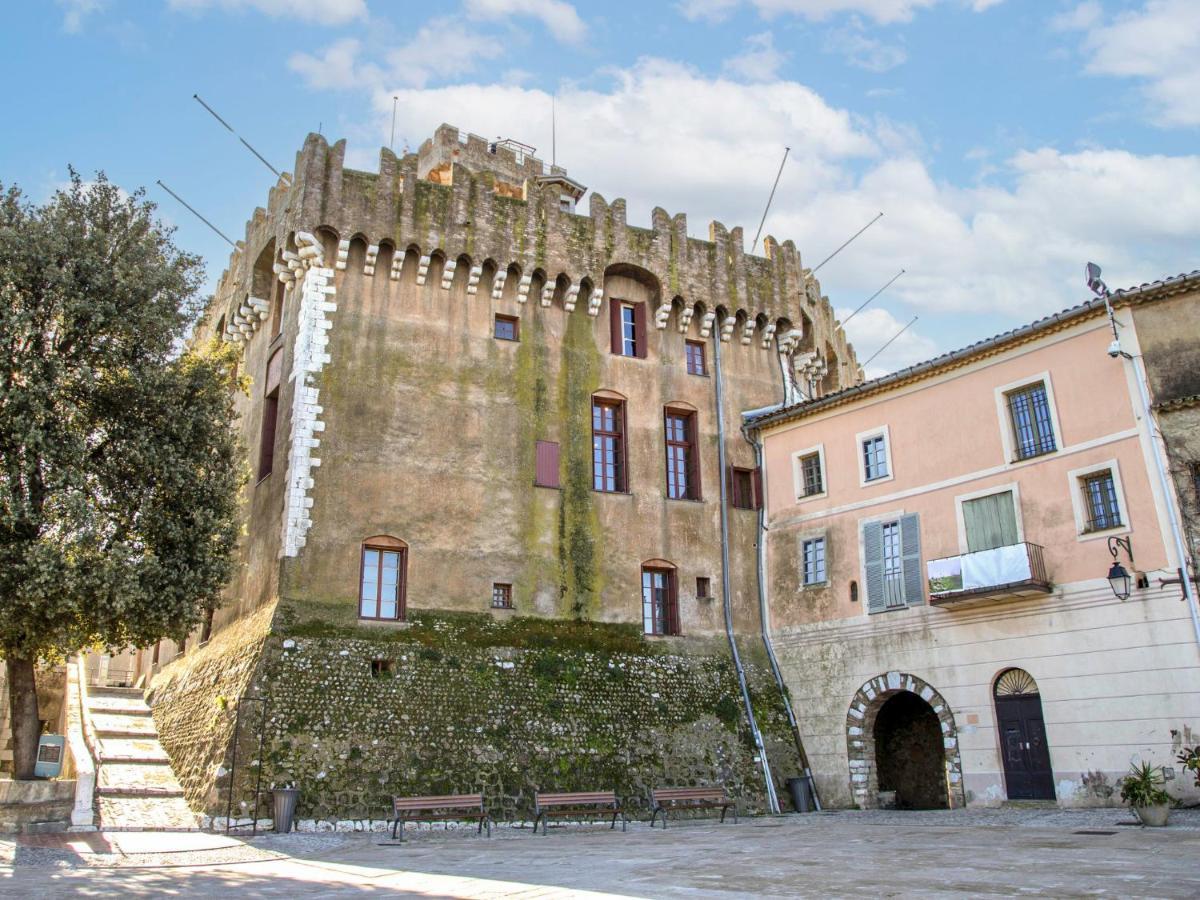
<point x="475" y="216"/>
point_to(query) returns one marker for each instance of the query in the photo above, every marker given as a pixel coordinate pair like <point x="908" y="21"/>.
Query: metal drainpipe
<point x="764" y="615"/>
<point x="772" y="799"/>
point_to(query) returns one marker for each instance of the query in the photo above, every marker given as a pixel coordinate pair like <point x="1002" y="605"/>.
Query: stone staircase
<point x="136" y="789"/>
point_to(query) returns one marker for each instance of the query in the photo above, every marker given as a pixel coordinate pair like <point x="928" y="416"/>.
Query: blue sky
<point x="1006" y="141"/>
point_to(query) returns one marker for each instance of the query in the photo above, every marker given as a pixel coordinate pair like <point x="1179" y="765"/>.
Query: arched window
<point x="382" y="579"/>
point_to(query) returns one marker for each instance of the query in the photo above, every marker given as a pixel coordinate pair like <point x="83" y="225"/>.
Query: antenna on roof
<point x="196" y="214"/>
<point x="845" y="245"/>
<point x="872" y="297"/>
<point x="196" y="97"/>
<point x="778" y="175"/>
<point x="392" y="142"/>
<point x="888" y="344"/>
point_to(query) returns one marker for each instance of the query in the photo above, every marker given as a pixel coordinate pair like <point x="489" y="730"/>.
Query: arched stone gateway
<point x="906" y="726"/>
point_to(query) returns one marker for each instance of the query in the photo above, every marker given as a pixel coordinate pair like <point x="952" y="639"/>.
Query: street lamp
<point x="1118" y="577"/>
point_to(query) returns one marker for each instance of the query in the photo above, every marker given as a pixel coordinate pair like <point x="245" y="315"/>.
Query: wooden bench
<point x="664" y="800"/>
<point x="580" y="804"/>
<point x="452" y="807"/>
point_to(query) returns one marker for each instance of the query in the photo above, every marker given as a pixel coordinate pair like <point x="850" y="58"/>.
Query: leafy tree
<point x="119" y="472"/>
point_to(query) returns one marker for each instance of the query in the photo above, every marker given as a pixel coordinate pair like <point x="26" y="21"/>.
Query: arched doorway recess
<point x="908" y="725"/>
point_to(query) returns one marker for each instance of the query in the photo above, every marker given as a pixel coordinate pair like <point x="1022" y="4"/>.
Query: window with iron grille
<point x="660" y="613"/>
<point x="810" y="471"/>
<point x="608" y="446"/>
<point x="501" y="596"/>
<point x="1100" y="495"/>
<point x="814" y="560"/>
<point x="682" y="480"/>
<point x="703" y="588"/>
<point x="874" y="450"/>
<point x="695" y="358"/>
<point x="1033" y="430"/>
<point x="506" y="328"/>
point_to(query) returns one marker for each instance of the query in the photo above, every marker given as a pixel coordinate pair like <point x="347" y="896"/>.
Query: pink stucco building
<point x="938" y="546"/>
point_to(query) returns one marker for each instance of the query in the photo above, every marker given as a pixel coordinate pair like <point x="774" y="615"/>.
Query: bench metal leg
<point x="539" y="817"/>
<point x="624" y="821"/>
<point x="614" y="823"/>
<point x="398" y="828"/>
<point x="724" y="809"/>
<point x="654" y="815"/>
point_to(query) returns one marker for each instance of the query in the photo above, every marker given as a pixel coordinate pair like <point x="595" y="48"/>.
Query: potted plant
<point x="1142" y="789"/>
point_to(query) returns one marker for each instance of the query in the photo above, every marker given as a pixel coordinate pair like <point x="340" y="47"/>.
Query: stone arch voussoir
<point x="860" y="735"/>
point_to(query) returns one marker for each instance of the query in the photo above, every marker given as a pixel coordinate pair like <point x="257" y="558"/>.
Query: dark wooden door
<point x="1023" y="745"/>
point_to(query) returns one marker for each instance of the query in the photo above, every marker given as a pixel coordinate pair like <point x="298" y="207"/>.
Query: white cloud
<point x="881" y="11"/>
<point x="862" y="51"/>
<point x="324" y="12"/>
<point x="558" y="16"/>
<point x="1158" y="45"/>
<point x="436" y="50"/>
<point x="1010" y="249"/>
<point x="872" y="328"/>
<point x="759" y="61"/>
<point x="75" y="11"/>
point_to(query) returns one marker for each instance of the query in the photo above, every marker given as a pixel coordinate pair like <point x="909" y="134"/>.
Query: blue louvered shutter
<point x="910" y="552"/>
<point x="873" y="562"/>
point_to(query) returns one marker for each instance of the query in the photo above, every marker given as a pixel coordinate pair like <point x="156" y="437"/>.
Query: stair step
<point x="146" y="814"/>
<point x="121" y="706"/>
<point x="138" y="779"/>
<point x="116" y="725"/>
<point x="132" y="750"/>
<point x="114" y="691"/>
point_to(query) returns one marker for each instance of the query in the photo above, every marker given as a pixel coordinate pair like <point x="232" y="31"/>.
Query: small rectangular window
<point x="627" y="326"/>
<point x="683" y="482"/>
<point x="810" y="470"/>
<point x="628" y="331"/>
<point x="660" y="613"/>
<point x="608" y="446"/>
<point x="703" y="588"/>
<point x="277" y="309"/>
<point x="506" y="328"/>
<point x="694" y="351"/>
<point x="381" y="668"/>
<point x="874" y="451"/>
<point x="1029" y="410"/>
<point x="1100" y="495"/>
<point x="501" y="596"/>
<point x="546" y="464"/>
<point x="814" y="561"/>
<point x="270" y="415"/>
<point x="745" y="488"/>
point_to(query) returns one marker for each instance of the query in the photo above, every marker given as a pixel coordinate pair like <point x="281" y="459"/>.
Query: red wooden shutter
<point x="672" y="622"/>
<point x="546" y="467"/>
<point x="693" y="458"/>
<point x="614" y="324"/>
<point x="756" y="478"/>
<point x="639" y="329"/>
<point x="732" y="487"/>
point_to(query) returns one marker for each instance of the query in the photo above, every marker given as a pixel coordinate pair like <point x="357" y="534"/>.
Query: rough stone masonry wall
<point x="194" y="699"/>
<point x="466" y="703"/>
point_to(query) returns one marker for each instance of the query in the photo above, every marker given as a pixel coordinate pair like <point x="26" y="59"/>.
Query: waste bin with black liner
<point x="802" y="793"/>
<point x="285" y="808"/>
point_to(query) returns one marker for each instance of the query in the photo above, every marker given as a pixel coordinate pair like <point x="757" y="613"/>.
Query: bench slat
<point x="578" y="797"/>
<point x="449" y="801"/>
<point x="689" y="793"/>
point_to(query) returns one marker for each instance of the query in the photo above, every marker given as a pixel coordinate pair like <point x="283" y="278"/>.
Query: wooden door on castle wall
<point x="1027" y="771"/>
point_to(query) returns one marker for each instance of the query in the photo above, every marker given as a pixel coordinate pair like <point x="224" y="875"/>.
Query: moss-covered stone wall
<point x="466" y="703"/>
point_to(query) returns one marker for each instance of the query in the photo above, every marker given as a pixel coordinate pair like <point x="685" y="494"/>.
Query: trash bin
<point x="802" y="793"/>
<point x="285" y="808"/>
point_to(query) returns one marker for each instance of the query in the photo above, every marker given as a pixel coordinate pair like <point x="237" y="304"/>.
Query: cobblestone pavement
<point x="963" y="853"/>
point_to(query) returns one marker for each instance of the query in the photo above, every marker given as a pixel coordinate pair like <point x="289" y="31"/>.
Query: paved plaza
<point x="967" y="853"/>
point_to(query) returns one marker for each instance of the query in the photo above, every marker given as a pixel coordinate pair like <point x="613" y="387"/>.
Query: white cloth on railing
<point x="990" y="568"/>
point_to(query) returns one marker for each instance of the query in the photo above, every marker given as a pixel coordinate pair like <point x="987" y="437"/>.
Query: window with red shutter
<point x="745" y="490"/>
<point x="546" y="467"/>
<point x="270" y="416"/>
<point x="683" y="478"/>
<point x="627" y="328"/>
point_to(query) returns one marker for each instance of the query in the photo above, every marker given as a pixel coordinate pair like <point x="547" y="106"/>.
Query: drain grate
<point x="1092" y="831"/>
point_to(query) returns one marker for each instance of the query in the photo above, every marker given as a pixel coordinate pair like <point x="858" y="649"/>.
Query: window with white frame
<point x="1098" y="499"/>
<point x="808" y="472"/>
<point x="874" y="457"/>
<point x="813" y="552"/>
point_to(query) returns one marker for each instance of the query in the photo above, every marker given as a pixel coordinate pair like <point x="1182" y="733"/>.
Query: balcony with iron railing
<point x="1015" y="570"/>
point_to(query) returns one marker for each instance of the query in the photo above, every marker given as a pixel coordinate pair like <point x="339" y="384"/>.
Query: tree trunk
<point x="23" y="713"/>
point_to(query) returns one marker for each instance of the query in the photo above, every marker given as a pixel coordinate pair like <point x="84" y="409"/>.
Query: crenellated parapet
<point x="453" y="209"/>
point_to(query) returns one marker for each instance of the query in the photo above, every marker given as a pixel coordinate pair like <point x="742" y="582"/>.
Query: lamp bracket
<point x="1122" y="543"/>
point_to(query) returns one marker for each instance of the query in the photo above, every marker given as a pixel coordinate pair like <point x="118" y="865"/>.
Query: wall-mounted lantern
<point x="1119" y="579"/>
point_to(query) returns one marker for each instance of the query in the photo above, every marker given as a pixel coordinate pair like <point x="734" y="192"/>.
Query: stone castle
<point x="497" y="454"/>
